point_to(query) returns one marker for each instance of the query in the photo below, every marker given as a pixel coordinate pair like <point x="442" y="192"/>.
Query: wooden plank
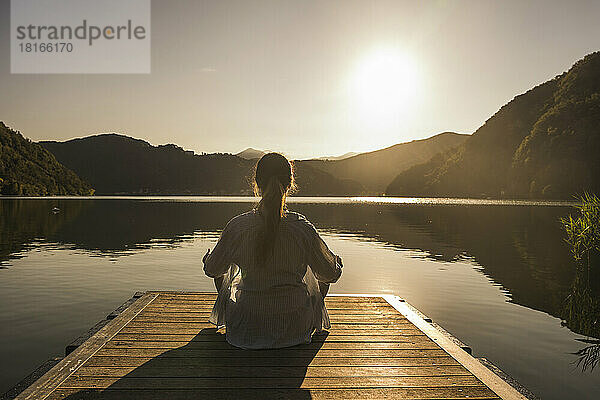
<point x="328" y="300"/>
<point x="127" y="382"/>
<point x="117" y="361"/>
<point x="448" y="393"/>
<point x="221" y="338"/>
<point x="204" y="370"/>
<point x="185" y="293"/>
<point x="330" y="306"/>
<point x="373" y="319"/>
<point x="209" y="305"/>
<point x="333" y="305"/>
<point x="191" y="311"/>
<point x="333" y="298"/>
<point x="165" y="294"/>
<point x="198" y="333"/>
<point x="419" y="342"/>
<point x="287" y="352"/>
<point x="196" y="327"/>
<point x="59" y="373"/>
<point x="490" y="379"/>
<point x="370" y="326"/>
<point x="205" y="312"/>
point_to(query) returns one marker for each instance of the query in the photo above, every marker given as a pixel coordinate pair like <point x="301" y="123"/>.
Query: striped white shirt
<point x="275" y="304"/>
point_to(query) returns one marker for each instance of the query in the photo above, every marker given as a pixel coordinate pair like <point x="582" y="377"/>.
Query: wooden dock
<point x="162" y="347"/>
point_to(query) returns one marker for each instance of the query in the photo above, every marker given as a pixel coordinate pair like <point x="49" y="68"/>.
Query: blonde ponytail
<point x="273" y="179"/>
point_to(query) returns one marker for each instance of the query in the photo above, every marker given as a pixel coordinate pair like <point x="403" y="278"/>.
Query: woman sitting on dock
<point x="271" y="268"/>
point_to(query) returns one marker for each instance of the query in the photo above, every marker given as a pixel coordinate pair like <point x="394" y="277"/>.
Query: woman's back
<point x="274" y="302"/>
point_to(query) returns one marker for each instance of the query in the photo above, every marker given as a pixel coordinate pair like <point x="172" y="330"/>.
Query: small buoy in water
<point x="55" y="210"/>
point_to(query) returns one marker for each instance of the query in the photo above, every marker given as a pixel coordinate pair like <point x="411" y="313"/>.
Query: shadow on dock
<point x="196" y="370"/>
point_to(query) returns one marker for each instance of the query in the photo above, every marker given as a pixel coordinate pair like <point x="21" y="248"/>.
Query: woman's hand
<point x="323" y="288"/>
<point x="205" y="256"/>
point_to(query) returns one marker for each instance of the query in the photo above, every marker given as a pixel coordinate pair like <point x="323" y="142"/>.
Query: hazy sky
<point x="309" y="78"/>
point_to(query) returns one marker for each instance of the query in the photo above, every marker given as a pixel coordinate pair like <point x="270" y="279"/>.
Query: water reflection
<point x="22" y="222"/>
<point x="521" y="248"/>
<point x="107" y="227"/>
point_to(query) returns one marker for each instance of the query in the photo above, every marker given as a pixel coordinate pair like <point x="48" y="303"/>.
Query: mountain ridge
<point x="376" y="169"/>
<point x="138" y="167"/>
<point x="120" y="164"/>
<point x="542" y="144"/>
<point x="335" y="158"/>
<point x="251" y="153"/>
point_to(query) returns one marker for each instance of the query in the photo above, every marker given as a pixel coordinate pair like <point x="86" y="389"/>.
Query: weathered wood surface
<point x="162" y="347"/>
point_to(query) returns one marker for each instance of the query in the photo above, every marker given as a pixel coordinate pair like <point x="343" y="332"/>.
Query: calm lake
<point x="494" y="274"/>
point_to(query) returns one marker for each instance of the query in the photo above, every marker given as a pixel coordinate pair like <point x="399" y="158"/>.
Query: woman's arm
<point x="326" y="266"/>
<point x="217" y="262"/>
<point x="219" y="279"/>
<point x="324" y="287"/>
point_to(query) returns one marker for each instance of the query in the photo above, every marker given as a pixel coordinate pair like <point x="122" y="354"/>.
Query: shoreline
<point x="318" y="199"/>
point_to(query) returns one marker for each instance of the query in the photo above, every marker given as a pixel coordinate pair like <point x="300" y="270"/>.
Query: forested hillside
<point x="543" y="144"/>
<point x="376" y="169"/>
<point x="27" y="169"/>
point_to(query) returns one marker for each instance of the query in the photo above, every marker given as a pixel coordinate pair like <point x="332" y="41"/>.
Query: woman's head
<point x="273" y="179"/>
<point x="272" y="167"/>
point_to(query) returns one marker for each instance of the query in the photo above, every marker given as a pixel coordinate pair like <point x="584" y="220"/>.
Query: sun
<point x="384" y="87"/>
